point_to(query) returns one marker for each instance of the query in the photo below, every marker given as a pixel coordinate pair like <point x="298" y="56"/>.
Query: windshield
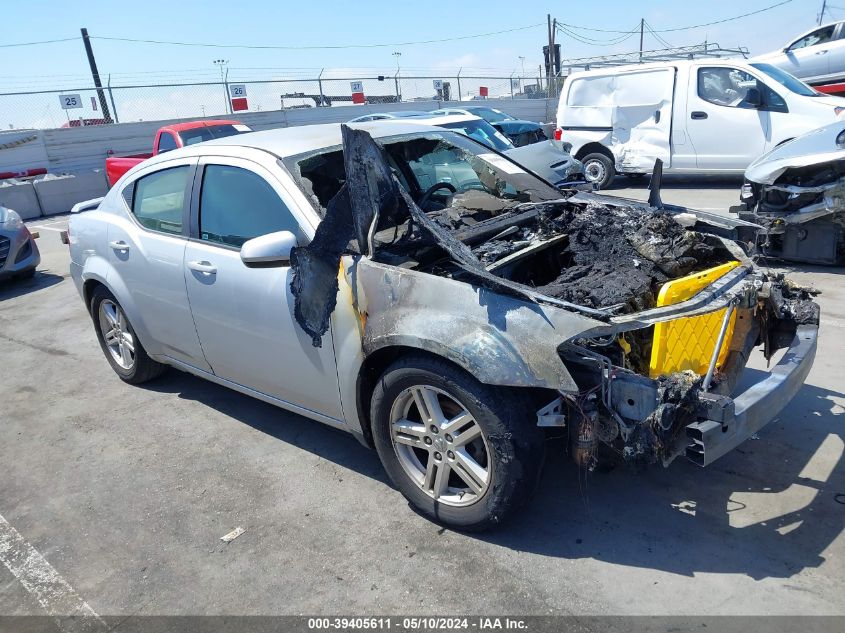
<point x="793" y="84"/>
<point x="491" y="115"/>
<point x="444" y="172"/>
<point x="482" y="132"/>
<point x="208" y="132"/>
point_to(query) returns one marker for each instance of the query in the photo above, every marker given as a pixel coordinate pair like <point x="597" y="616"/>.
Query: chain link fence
<point x="122" y="104"/>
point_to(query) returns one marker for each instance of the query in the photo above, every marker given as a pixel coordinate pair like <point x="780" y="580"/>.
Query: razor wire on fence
<point x="85" y="106"/>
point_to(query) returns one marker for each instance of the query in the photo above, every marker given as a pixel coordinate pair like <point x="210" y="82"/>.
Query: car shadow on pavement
<point x="768" y="509"/>
<point x="320" y="439"/>
<point x="17" y="287"/>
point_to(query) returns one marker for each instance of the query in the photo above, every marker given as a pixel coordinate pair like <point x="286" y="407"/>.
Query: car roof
<point x="292" y="141"/>
<point x="612" y="70"/>
<point x="193" y="125"/>
<point x="440" y="119"/>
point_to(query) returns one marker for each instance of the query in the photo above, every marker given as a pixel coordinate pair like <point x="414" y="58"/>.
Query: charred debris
<point x="595" y="254"/>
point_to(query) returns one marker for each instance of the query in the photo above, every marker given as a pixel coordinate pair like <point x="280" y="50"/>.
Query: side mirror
<point x="268" y="250"/>
<point x="753" y="97"/>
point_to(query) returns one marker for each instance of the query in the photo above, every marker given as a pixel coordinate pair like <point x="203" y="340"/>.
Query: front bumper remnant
<point x="729" y="422"/>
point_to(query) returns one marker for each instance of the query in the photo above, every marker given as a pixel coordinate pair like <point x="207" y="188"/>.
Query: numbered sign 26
<point x="70" y="102"/>
<point x="237" y="90"/>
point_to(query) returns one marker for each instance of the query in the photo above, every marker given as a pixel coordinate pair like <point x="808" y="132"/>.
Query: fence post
<point x="396" y="81"/>
<point x="111" y="98"/>
<point x="226" y="91"/>
<point x="511" y="82"/>
<point x="460" y="98"/>
<point x="320" y="86"/>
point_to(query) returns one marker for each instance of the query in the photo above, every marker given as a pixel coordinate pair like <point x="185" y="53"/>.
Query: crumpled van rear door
<point x="629" y="112"/>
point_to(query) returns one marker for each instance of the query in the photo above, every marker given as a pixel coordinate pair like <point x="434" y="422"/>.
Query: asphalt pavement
<point x="124" y="492"/>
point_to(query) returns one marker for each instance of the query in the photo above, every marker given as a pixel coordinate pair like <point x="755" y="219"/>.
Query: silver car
<point x="817" y="56"/>
<point x="19" y="254"/>
<point x="548" y="159"/>
<point x="416" y="288"/>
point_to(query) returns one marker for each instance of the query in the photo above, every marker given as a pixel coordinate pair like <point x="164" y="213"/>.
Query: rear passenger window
<point x="237" y="205"/>
<point x="159" y="199"/>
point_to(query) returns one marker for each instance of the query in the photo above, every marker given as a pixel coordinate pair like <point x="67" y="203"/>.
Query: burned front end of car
<point x="628" y="323"/>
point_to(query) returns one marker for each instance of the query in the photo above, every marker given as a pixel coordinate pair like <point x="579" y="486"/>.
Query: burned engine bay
<point x="603" y="259"/>
<point x="802" y="213"/>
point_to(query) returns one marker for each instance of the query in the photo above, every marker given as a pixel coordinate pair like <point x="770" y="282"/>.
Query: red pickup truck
<point x="173" y="137"/>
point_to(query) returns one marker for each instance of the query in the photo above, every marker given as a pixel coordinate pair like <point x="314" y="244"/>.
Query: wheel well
<point x="373" y="368"/>
<point x="376" y="363"/>
<point x="594" y="148"/>
<point x="88" y="290"/>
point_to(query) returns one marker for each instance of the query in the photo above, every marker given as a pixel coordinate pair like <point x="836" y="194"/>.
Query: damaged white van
<point x="707" y="116"/>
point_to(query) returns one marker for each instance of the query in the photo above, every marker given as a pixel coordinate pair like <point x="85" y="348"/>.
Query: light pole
<point x="223" y="63"/>
<point x="522" y="78"/>
<point x="397" y="55"/>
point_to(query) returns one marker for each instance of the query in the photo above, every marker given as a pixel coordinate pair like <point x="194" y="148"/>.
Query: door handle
<point x="119" y="245"/>
<point x="206" y="268"/>
<point x="698" y="115"/>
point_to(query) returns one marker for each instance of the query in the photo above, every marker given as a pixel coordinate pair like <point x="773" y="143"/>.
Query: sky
<point x="63" y="65"/>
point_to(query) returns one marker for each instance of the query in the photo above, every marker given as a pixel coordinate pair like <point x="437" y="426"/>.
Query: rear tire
<point x="598" y="170"/>
<point x="463" y="453"/>
<point x="118" y="340"/>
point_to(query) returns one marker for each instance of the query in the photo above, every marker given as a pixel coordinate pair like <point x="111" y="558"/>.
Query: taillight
<point x="558" y="134"/>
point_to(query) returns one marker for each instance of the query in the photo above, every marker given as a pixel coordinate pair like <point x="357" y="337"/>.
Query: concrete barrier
<point x="20" y="196"/>
<point x="57" y="194"/>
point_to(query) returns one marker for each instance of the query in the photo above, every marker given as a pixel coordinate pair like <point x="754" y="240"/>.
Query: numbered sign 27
<point x="70" y="102"/>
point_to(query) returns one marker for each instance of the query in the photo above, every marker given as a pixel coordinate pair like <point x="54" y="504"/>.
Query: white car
<point x="817" y="56"/>
<point x="796" y="193"/>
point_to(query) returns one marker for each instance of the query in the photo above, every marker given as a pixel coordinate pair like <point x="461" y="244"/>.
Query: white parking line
<point x="39" y="227"/>
<point x="43" y="582"/>
<point x="56" y="221"/>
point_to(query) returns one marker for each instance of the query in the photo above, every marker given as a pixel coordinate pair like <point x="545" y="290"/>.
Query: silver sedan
<point x="19" y="255"/>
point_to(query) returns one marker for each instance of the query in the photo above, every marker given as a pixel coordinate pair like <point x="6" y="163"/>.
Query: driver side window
<point x="819" y="36"/>
<point x="725" y="86"/>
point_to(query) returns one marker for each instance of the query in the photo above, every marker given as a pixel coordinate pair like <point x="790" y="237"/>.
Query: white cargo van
<point x="699" y="116"/>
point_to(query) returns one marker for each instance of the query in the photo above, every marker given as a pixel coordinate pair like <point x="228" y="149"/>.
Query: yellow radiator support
<point x="687" y="343"/>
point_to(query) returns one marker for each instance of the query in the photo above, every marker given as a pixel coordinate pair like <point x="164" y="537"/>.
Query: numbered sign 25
<point x="237" y="90"/>
<point x="70" y="102"/>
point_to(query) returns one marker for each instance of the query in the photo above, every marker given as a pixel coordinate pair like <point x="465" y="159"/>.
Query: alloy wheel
<point x="116" y="334"/>
<point x="440" y="446"/>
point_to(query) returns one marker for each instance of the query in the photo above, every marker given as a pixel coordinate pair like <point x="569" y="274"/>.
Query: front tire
<point x="118" y="340"/>
<point x="598" y="170"/>
<point x="463" y="453"/>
